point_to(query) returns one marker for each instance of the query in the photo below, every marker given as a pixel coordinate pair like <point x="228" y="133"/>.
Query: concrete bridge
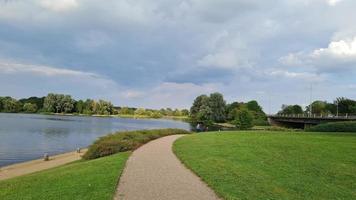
<point x="304" y="121"/>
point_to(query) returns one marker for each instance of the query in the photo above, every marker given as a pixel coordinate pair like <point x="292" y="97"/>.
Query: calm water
<point x="26" y="137"/>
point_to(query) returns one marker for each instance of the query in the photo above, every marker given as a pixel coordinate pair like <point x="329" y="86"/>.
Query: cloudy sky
<point x="159" y="53"/>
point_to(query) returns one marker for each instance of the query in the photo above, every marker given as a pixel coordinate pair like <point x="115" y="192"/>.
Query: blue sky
<point x="156" y="53"/>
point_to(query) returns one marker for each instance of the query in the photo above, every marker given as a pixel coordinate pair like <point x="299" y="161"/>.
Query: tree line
<point x="55" y="103"/>
<point x="61" y="103"/>
<point x="152" y="113"/>
<point x="214" y="109"/>
<point x="341" y="106"/>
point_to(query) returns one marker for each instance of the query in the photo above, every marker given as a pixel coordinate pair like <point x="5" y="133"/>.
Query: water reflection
<point x="26" y="137"/>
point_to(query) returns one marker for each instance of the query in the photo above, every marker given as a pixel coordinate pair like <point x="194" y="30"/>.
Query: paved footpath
<point x="153" y="172"/>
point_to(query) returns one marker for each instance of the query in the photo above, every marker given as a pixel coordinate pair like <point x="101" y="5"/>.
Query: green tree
<point x="185" y="112"/>
<point x="29" y="108"/>
<point x="89" y="106"/>
<point x="104" y="108"/>
<point x="197" y="104"/>
<point x="291" y="110"/>
<point x="38" y="101"/>
<point x="346" y="106"/>
<point x="217" y="105"/>
<point x="11" y="105"/>
<point x="79" y="106"/>
<point x="243" y="119"/>
<point x="140" y="112"/>
<point x="205" y="115"/>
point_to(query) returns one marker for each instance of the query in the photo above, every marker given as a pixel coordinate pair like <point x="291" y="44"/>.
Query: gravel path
<point x="153" y="172"/>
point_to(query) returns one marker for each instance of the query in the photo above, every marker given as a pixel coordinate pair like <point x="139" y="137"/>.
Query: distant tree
<point x="232" y="108"/>
<point x="185" y="112"/>
<point x="1" y="104"/>
<point x="49" y="104"/>
<point x="155" y="114"/>
<point x="29" y="108"/>
<point x="169" y="112"/>
<point x="200" y="101"/>
<point x="254" y="106"/>
<point x="38" y="101"/>
<point x="177" y="112"/>
<point x="89" y="106"/>
<point x="291" y="110"/>
<point x="243" y="119"/>
<point x="11" y="105"/>
<point x="346" y="106"/>
<point x="217" y="105"/>
<point x="205" y="115"/>
<point x="140" y="111"/>
<point x="58" y="103"/>
<point x="104" y="108"/>
<point x="126" y="111"/>
<point x="79" y="106"/>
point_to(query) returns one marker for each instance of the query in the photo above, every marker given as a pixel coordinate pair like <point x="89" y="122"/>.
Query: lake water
<point x="26" y="137"/>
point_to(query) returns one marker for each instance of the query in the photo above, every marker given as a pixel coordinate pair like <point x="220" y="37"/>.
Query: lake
<point x="26" y="137"/>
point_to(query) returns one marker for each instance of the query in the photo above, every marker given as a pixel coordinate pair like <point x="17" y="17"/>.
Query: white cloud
<point x="333" y="2"/>
<point x="339" y="54"/>
<point x="341" y="49"/>
<point x="14" y="68"/>
<point x="58" y="5"/>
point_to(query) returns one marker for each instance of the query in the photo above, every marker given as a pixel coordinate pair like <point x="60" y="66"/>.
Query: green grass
<point x="273" y="165"/>
<point x="95" y="179"/>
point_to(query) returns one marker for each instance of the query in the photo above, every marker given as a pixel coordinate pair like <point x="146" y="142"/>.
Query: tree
<point x="49" y="103"/>
<point x="79" y="106"/>
<point x="205" y="115"/>
<point x="11" y="105"/>
<point x="217" y="105"/>
<point x="243" y="119"/>
<point x="58" y="103"/>
<point x="38" y="101"/>
<point x="197" y="104"/>
<point x="140" y="111"/>
<point x="185" y="112"/>
<point x="291" y="110"/>
<point x="126" y="111"/>
<point x="104" y="108"/>
<point x="253" y="106"/>
<point x="346" y="106"/>
<point x="89" y="106"/>
<point x="29" y="108"/>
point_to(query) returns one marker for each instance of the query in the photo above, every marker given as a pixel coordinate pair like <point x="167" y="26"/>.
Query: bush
<point x="334" y="127"/>
<point x="243" y="119"/>
<point x="126" y="141"/>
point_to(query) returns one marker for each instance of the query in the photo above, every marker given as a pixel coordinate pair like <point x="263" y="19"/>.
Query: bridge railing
<point x="314" y="116"/>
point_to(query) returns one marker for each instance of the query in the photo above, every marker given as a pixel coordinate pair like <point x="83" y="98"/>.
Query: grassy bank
<point x="95" y="179"/>
<point x="126" y="141"/>
<point x="273" y="165"/>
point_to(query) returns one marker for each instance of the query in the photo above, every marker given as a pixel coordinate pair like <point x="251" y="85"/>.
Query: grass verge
<point x="273" y="165"/>
<point x="95" y="179"/>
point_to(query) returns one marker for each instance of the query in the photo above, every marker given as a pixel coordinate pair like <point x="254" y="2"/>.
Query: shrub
<point x="126" y="141"/>
<point x="243" y="119"/>
<point x="334" y="127"/>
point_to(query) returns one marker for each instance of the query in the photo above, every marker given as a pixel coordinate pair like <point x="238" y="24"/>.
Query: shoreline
<point x="28" y="167"/>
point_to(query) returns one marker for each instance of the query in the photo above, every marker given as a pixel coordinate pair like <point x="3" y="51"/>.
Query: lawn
<point x="273" y="165"/>
<point x="94" y="179"/>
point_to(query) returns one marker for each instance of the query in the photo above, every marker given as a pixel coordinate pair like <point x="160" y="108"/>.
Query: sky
<point x="159" y="53"/>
